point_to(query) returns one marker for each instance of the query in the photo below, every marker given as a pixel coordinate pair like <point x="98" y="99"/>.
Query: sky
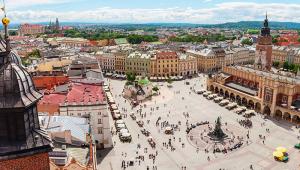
<point x="152" y="11"/>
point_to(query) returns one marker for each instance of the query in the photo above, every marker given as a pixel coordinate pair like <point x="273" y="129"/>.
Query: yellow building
<point x="138" y="63"/>
<point x="164" y="64"/>
<point x="120" y="63"/>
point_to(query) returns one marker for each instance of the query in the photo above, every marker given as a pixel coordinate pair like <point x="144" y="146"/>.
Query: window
<point x="99" y="113"/>
<point x="99" y="121"/>
<point x="99" y="130"/>
<point x="284" y="99"/>
<point x="78" y="114"/>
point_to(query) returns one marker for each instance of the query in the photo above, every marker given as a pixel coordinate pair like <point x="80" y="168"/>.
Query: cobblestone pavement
<point x="178" y="100"/>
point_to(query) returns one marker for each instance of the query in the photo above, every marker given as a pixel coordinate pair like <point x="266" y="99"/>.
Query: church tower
<point x="263" y="54"/>
<point x="23" y="144"/>
<point x="56" y="24"/>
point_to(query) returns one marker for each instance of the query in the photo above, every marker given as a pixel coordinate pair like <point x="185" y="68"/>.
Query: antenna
<point x="5" y="22"/>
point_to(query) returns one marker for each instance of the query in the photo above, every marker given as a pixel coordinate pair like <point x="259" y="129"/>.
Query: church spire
<point x="265" y="30"/>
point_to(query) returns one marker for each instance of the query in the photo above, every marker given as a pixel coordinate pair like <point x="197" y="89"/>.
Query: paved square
<point x="172" y="106"/>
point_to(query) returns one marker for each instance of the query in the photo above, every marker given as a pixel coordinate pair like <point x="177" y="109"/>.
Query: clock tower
<point x="263" y="54"/>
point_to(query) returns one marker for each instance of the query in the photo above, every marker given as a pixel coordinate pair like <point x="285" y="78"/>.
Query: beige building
<point x="268" y="93"/>
<point x="106" y="61"/>
<point x="138" y="63"/>
<point x="69" y="42"/>
<point x="239" y="56"/>
<point x="280" y="54"/>
<point x="209" y="59"/>
<point x="283" y="54"/>
<point x="187" y="65"/>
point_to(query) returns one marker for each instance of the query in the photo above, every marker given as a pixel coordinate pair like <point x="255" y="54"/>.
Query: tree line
<point x="104" y="34"/>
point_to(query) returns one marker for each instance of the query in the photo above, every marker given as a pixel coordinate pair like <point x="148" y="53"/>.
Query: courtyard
<point x="180" y="106"/>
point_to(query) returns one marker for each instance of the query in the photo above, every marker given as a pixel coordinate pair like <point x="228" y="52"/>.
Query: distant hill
<point x="231" y="25"/>
<point x="256" y="25"/>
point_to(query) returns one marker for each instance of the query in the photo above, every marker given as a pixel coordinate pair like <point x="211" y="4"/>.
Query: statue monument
<point x="217" y="133"/>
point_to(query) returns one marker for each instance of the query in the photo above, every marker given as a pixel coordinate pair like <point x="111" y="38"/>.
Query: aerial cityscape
<point x="140" y="85"/>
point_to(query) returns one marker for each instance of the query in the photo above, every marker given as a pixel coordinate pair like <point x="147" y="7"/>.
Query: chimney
<point x="68" y="136"/>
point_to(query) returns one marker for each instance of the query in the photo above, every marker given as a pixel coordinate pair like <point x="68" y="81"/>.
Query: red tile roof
<point x="53" y="99"/>
<point x="85" y="93"/>
<point x="79" y="94"/>
<point x="166" y="55"/>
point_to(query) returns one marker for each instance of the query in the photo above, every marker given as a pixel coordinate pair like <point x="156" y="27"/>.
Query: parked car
<point x="120" y="126"/>
<point x="231" y="106"/>
<point x="218" y="99"/>
<point x="116" y="115"/>
<point x="207" y="93"/>
<point x="239" y="111"/>
<point x="212" y="96"/>
<point x="200" y="91"/>
<point x="224" y="102"/>
<point x="119" y="122"/>
<point x="125" y="137"/>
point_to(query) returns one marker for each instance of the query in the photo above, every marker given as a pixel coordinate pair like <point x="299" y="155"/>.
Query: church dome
<point x="16" y="85"/>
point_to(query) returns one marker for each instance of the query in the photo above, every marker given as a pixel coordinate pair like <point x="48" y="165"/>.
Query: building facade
<point x="268" y="93"/>
<point x="107" y="62"/>
<point x="165" y="64"/>
<point x="138" y="63"/>
<point x="187" y="65"/>
<point x="31" y="29"/>
<point x="283" y="54"/>
<point x="120" y="63"/>
<point x="209" y="59"/>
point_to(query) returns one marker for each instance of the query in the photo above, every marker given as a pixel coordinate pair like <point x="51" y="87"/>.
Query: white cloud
<point x="220" y="13"/>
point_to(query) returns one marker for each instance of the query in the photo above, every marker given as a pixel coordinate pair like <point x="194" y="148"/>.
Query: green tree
<point x="274" y="39"/>
<point x="130" y="77"/>
<point x="292" y="66"/>
<point x="298" y="39"/>
<point x="247" y="41"/>
<point x="276" y="64"/>
<point x="13" y="33"/>
<point x="169" y="80"/>
<point x="137" y="39"/>
<point x="253" y="31"/>
<point x="34" y="54"/>
<point x="286" y="65"/>
<point x="155" y="88"/>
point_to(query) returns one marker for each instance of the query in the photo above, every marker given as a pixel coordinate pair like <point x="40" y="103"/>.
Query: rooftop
<point x="281" y="78"/>
<point x="78" y="126"/>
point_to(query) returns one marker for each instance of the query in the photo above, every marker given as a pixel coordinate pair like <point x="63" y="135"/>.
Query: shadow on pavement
<point x="102" y="153"/>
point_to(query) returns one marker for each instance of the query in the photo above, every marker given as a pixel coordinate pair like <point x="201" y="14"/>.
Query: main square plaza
<point x="180" y="107"/>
